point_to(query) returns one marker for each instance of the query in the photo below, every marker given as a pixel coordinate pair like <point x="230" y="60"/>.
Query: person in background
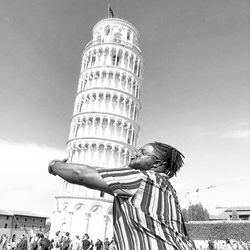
<point x="13" y="245"/>
<point x="44" y="243"/>
<point x="34" y="242"/>
<point x="228" y="245"/>
<point x="91" y="245"/>
<point x="66" y="242"/>
<point x="52" y="244"/>
<point x="99" y="245"/>
<point x="244" y="245"/>
<point x="22" y="244"/>
<point x="240" y="245"/>
<point x="57" y="240"/>
<point x="106" y="244"/>
<point x="85" y="242"/>
<point x="235" y="245"/>
<point x="76" y="243"/>
<point x="210" y="244"/>
<point x="3" y="242"/>
<point x="112" y="245"/>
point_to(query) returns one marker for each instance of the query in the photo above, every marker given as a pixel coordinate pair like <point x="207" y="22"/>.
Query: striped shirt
<point x="146" y="211"/>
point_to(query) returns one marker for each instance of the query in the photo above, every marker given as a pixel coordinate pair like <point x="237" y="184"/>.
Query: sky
<point x="195" y="92"/>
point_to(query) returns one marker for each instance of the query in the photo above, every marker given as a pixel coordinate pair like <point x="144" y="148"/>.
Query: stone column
<point x="129" y="58"/>
<point x="70" y="220"/>
<point x="114" y="130"/>
<point x="112" y="157"/>
<point x="117" y="108"/>
<point x="131" y="87"/>
<point x="87" y="216"/>
<point x="127" y="134"/>
<point x="118" y="165"/>
<point x="131" y="137"/>
<point x="125" y="157"/>
<point x="90" y="61"/>
<point x="116" y="56"/>
<point x="134" y="61"/>
<point x="106" y="220"/>
<point x="121" y="138"/>
<point x="123" y="106"/>
<point x="130" y="109"/>
<point x="126" y="84"/>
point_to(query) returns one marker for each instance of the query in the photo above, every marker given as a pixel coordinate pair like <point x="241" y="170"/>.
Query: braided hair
<point x="171" y="157"/>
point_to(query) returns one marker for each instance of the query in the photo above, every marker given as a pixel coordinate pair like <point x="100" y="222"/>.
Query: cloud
<point x="24" y="177"/>
<point x="237" y="134"/>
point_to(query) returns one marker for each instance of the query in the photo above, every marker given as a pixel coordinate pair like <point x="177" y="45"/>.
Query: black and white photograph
<point x="125" y="125"/>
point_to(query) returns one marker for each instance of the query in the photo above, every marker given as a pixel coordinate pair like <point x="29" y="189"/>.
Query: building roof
<point x="243" y="208"/>
<point x="27" y="213"/>
<point x="5" y="212"/>
<point x="22" y="213"/>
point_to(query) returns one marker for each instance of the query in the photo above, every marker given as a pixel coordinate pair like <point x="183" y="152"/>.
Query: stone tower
<point x="104" y="129"/>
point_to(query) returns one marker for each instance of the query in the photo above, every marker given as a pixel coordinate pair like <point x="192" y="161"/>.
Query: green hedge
<point x="203" y="230"/>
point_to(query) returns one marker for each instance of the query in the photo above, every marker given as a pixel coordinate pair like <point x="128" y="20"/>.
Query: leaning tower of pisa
<point x="104" y="128"/>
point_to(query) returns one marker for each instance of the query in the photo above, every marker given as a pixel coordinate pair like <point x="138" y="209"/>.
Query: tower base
<point x="80" y="215"/>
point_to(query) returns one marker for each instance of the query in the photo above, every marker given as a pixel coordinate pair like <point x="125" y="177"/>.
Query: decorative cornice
<point x="122" y="44"/>
<point x="109" y="114"/>
<point x="118" y="143"/>
<point x="83" y="198"/>
<point x="113" y="69"/>
<point x="111" y="89"/>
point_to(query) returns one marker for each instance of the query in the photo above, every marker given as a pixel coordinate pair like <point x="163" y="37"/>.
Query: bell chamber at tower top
<point x="115" y="30"/>
<point x="114" y="44"/>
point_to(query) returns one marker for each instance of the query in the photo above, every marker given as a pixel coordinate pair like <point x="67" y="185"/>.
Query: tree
<point x="235" y="215"/>
<point x="184" y="212"/>
<point x="196" y="212"/>
<point x="47" y="227"/>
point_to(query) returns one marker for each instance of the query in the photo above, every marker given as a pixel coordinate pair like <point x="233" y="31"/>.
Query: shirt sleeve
<point x="123" y="182"/>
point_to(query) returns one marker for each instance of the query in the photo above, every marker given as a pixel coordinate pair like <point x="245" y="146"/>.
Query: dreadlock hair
<point x="170" y="155"/>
